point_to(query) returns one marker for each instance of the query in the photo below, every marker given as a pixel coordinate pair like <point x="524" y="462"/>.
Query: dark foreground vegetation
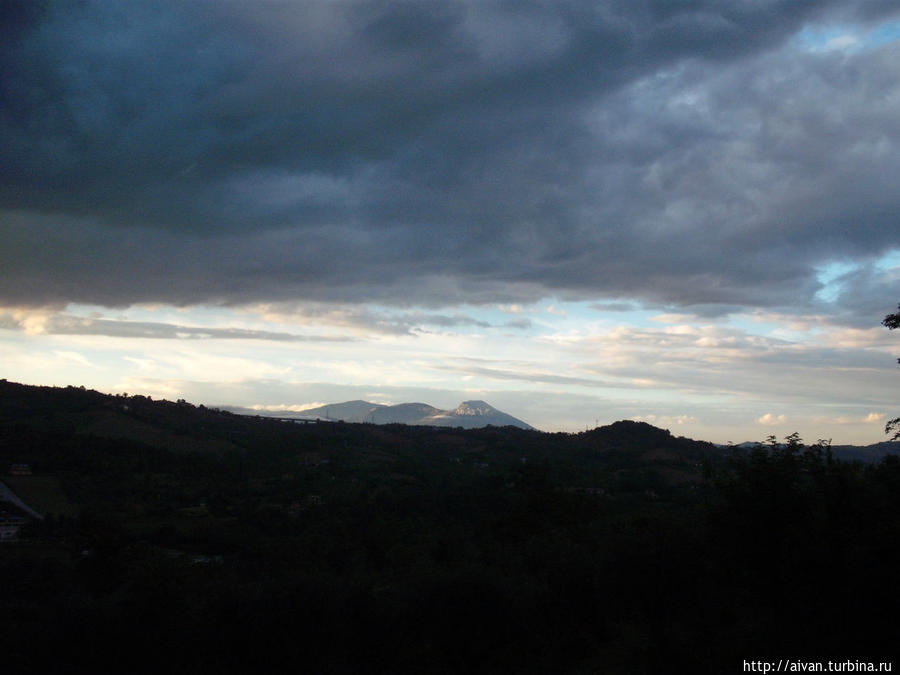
<point x="184" y="540"/>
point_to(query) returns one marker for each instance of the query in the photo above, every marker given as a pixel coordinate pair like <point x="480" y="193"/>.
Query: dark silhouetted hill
<point x="178" y="538"/>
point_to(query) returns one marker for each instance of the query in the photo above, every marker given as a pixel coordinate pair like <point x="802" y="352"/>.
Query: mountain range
<point x="468" y="414"/>
<point x="183" y="426"/>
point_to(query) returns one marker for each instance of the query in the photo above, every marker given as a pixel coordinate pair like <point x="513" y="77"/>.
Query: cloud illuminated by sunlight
<point x="770" y="420"/>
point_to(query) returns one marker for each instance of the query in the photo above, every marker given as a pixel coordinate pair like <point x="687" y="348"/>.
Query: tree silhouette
<point x="892" y="321"/>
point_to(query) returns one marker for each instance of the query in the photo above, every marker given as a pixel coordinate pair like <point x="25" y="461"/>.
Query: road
<point x="7" y="495"/>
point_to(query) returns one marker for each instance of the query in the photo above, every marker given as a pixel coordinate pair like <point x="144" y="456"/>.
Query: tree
<point x="892" y="321"/>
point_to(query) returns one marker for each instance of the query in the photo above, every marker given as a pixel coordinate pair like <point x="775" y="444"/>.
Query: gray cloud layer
<point x="426" y="154"/>
<point x="62" y="324"/>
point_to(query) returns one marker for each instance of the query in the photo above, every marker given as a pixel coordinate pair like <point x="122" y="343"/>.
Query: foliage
<point x="262" y="545"/>
<point x="892" y="321"/>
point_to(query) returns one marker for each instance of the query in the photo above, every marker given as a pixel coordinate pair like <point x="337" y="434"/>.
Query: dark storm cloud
<point x="433" y="153"/>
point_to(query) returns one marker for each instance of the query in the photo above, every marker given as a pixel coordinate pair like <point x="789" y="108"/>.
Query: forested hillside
<point x="187" y="539"/>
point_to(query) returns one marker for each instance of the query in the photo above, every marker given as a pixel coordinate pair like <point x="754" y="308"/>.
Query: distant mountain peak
<point x="475" y="408"/>
<point x="468" y="414"/>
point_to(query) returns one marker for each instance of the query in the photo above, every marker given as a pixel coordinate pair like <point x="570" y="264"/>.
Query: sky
<point x="677" y="211"/>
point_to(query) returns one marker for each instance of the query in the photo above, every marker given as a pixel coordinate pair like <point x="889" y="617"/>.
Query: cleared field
<point x="42" y="493"/>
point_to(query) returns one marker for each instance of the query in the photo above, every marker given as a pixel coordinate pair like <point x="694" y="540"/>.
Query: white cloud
<point x="556" y="311"/>
<point x="31" y="320"/>
<point x="851" y="420"/>
<point x="665" y="420"/>
<point x="511" y="309"/>
<point x="845" y="41"/>
<point x="853" y="338"/>
<point x="673" y="318"/>
<point x="282" y="407"/>
<point x="770" y="420"/>
<point x="73" y="357"/>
